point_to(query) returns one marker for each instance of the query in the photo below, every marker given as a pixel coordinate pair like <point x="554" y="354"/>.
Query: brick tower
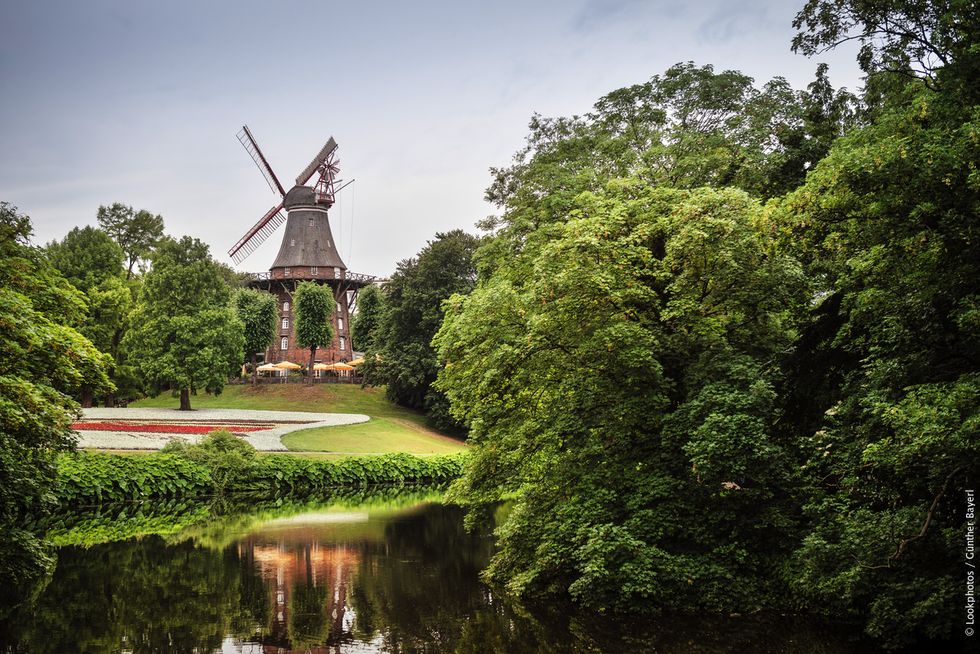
<point x="308" y="253"/>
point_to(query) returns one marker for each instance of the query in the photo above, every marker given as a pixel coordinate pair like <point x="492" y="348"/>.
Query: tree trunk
<point x="86" y="397"/>
<point x="309" y="368"/>
<point x="110" y="398"/>
<point x="185" y="399"/>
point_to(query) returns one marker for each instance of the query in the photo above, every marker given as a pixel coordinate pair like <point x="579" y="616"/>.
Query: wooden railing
<point x="358" y="278"/>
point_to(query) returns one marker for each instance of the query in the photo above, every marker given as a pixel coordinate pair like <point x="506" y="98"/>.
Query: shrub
<point x="95" y="477"/>
<point x="220" y="466"/>
<point x="224" y="454"/>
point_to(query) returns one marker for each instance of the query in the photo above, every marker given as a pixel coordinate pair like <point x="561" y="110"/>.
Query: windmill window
<point x="287" y="273"/>
<point x="313" y="270"/>
<point x="285" y="306"/>
<point x="285" y="323"/>
<point x="292" y="242"/>
<point x="340" y="324"/>
<point x="311" y="222"/>
<point x="284" y="343"/>
<point x="336" y="273"/>
<point x="338" y="307"/>
<point x="343" y="343"/>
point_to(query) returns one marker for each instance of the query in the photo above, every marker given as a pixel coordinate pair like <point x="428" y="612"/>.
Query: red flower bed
<point x="162" y="428"/>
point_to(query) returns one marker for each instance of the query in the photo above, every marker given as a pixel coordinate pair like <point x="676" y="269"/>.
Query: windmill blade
<point x="248" y="142"/>
<point x="318" y="160"/>
<point x="257" y="235"/>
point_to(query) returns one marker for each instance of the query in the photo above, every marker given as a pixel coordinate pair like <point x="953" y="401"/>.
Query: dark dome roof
<point x="299" y="196"/>
<point x="307" y="240"/>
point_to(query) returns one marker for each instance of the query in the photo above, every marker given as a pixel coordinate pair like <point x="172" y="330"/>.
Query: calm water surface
<point x="396" y="575"/>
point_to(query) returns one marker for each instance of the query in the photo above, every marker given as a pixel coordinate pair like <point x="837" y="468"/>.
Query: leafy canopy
<point x="185" y="333"/>
<point x="42" y="364"/>
<point x="367" y="320"/>
<point x="93" y="263"/>
<point x="314" y="306"/>
<point x="258" y="314"/>
<point x="412" y="311"/>
<point x="136" y="232"/>
<point x="615" y="377"/>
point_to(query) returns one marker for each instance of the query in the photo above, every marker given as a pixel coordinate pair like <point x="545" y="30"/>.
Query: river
<point x="393" y="573"/>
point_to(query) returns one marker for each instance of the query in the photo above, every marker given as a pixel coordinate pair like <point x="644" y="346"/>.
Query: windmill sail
<point x="257" y="235"/>
<point x="248" y="142"/>
<point x="318" y="161"/>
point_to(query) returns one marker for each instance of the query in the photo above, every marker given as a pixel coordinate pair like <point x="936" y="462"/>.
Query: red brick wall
<point x="283" y="292"/>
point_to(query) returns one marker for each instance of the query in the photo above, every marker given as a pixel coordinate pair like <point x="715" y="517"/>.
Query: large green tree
<point x="185" y="334"/>
<point x="93" y="263"/>
<point x="258" y="314"/>
<point x="884" y="387"/>
<point x="43" y="362"/>
<point x="314" y="306"/>
<point x="136" y="232"/>
<point x="406" y="362"/>
<point x="617" y="379"/>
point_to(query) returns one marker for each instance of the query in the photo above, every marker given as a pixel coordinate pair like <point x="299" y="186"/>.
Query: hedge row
<point x="93" y="478"/>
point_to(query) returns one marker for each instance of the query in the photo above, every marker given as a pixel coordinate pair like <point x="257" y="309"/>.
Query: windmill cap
<point x="299" y="196"/>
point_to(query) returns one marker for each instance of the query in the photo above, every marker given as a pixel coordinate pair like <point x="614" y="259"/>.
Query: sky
<point x="139" y="102"/>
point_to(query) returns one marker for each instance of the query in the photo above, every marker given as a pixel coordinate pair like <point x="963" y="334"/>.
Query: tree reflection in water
<point x="401" y="580"/>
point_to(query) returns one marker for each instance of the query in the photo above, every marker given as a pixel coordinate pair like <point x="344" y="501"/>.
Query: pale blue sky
<point x="139" y="102"/>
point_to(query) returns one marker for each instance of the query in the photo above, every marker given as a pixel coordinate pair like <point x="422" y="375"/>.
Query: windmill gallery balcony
<point x="354" y="280"/>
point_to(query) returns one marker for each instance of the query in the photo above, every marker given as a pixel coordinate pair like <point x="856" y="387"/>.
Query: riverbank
<point x="91" y="478"/>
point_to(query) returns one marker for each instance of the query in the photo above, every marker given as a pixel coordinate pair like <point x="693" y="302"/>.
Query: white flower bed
<point x="268" y="440"/>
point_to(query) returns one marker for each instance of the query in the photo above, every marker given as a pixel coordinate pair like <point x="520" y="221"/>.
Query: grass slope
<point x="391" y="429"/>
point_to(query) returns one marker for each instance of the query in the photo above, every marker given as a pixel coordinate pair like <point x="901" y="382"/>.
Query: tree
<point x="314" y="308"/>
<point x="616" y="379"/>
<point x="88" y="257"/>
<point x="136" y="232"/>
<point x="185" y="334"/>
<point x="258" y="314"/>
<point x="406" y="363"/>
<point x="913" y="38"/>
<point x="884" y="384"/>
<point x="690" y="126"/>
<point x="93" y="263"/>
<point x="42" y="364"/>
<point x="366" y="323"/>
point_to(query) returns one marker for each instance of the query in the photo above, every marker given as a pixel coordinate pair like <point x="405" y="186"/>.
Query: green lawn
<point x="376" y="436"/>
<point x="391" y="428"/>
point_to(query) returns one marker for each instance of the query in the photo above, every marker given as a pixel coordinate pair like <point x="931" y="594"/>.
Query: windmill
<point x="308" y="250"/>
<point x="324" y="165"/>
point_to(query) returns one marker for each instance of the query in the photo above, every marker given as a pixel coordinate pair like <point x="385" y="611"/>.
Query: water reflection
<point x="400" y="576"/>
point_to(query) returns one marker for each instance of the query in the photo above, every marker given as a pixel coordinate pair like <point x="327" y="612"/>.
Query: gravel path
<point x="268" y="440"/>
